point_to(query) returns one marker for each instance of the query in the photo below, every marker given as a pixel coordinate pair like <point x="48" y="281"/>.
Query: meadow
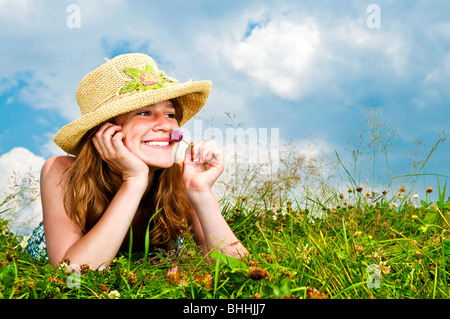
<point x="363" y="245"/>
<point x="319" y="242"/>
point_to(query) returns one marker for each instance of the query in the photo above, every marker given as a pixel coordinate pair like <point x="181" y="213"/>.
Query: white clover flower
<point x="114" y="294"/>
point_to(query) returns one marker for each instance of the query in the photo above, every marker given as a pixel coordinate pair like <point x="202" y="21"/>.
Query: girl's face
<point x="147" y="133"/>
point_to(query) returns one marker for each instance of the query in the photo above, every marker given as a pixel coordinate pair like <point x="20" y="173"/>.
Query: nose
<point x="162" y="123"/>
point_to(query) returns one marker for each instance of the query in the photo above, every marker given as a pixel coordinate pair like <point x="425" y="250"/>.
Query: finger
<point x="118" y="145"/>
<point x="106" y="139"/>
<point x="97" y="147"/>
<point x="191" y="155"/>
<point x="198" y="152"/>
<point x="98" y="139"/>
<point x="211" y="152"/>
<point x="204" y="152"/>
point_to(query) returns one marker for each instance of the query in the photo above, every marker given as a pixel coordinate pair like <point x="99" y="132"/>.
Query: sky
<point x="313" y="70"/>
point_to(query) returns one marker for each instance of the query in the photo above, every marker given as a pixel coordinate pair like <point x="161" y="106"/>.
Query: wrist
<point x="136" y="183"/>
<point x="202" y="199"/>
<point x="199" y="192"/>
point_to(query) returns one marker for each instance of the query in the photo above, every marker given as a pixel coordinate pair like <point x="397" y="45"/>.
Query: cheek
<point x="133" y="134"/>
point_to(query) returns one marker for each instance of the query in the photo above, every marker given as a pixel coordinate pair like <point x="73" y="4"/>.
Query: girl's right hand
<point x="108" y="143"/>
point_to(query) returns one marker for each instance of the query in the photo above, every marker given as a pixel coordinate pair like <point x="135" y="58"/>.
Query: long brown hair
<point x="91" y="185"/>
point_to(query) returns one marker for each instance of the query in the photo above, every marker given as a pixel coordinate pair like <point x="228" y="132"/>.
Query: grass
<point x="322" y="244"/>
<point x="360" y="241"/>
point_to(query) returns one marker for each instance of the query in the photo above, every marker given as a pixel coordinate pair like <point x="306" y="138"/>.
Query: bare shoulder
<point x="54" y="167"/>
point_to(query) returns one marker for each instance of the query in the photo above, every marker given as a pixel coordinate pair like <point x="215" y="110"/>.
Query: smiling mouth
<point x="157" y="143"/>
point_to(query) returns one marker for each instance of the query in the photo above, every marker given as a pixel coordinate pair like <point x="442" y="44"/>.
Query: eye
<point x="170" y="115"/>
<point x="143" y="113"/>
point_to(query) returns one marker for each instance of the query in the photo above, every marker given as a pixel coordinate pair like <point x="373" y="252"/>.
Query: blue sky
<point x="306" y="67"/>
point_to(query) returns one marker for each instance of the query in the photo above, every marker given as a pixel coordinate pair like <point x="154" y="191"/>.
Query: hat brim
<point x="191" y="96"/>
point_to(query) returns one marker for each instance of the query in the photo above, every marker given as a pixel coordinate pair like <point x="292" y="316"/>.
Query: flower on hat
<point x="143" y="80"/>
<point x="149" y="78"/>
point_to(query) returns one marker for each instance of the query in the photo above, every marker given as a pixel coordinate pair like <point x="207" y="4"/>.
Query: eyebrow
<point x="170" y="105"/>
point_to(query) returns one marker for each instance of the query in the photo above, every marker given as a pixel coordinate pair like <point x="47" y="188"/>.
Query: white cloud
<point x="19" y="173"/>
<point x="294" y="55"/>
<point x="278" y="55"/>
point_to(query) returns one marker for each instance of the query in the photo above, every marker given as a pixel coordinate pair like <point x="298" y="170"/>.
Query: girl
<point x="123" y="171"/>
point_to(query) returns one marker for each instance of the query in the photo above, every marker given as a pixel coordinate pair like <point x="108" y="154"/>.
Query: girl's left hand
<point x="202" y="165"/>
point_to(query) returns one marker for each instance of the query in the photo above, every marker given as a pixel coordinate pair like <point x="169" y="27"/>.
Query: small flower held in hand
<point x="176" y="135"/>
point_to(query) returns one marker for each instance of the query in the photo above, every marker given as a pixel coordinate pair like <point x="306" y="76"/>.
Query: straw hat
<point x="125" y="83"/>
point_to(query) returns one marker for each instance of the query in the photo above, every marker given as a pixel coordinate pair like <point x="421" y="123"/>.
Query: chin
<point x="156" y="166"/>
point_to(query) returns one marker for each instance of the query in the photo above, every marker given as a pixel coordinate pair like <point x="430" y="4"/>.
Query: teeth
<point x="157" y="143"/>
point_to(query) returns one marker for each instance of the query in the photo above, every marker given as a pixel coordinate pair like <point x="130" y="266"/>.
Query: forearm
<point x="100" y="245"/>
<point x="216" y="232"/>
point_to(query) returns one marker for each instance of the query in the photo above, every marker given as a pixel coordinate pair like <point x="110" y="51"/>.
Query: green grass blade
<point x="147" y="233"/>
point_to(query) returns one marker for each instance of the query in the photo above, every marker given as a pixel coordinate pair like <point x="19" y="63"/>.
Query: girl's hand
<point x="202" y="165"/>
<point x="109" y="144"/>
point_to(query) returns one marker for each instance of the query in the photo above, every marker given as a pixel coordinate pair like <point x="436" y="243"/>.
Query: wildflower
<point x="206" y="280"/>
<point x="402" y="189"/>
<point x="358" y="249"/>
<point x="385" y="269"/>
<point x="370" y="237"/>
<point x="132" y="278"/>
<point x="341" y="196"/>
<point x="257" y="273"/>
<point x="304" y="253"/>
<point x="400" y="196"/>
<point x="394" y="205"/>
<point x="414" y="216"/>
<point x="359" y="189"/>
<point x="416" y="196"/>
<point x="103" y="288"/>
<point x="114" y="295"/>
<point x="357" y="233"/>
<point x="173" y="277"/>
<point x="423" y="228"/>
<point x="64" y="264"/>
<point x="350" y="190"/>
<point x="429" y="190"/>
<point x="313" y="293"/>
<point x="384" y="192"/>
<point x="84" y="268"/>
<point x="176" y="135"/>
